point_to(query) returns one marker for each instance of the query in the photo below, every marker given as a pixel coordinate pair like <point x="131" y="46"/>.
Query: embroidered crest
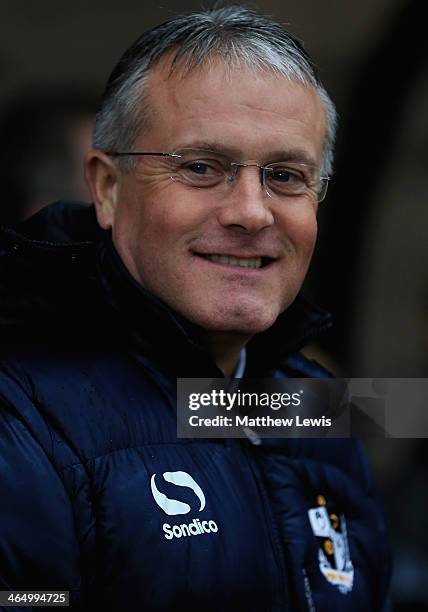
<point x="333" y="555"/>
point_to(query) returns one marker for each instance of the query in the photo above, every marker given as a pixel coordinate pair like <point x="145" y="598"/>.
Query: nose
<point x="246" y="204"/>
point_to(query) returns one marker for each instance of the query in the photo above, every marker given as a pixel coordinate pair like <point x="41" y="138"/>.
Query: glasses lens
<point x="200" y="168"/>
<point x="285" y="179"/>
<point x="323" y="188"/>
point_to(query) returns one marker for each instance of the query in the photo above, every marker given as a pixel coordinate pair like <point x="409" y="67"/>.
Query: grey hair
<point x="236" y="34"/>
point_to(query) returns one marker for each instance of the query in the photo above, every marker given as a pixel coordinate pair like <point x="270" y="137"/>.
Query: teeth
<point x="255" y="262"/>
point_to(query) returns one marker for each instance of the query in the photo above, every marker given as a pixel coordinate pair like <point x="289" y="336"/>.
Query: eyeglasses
<point x="205" y="169"/>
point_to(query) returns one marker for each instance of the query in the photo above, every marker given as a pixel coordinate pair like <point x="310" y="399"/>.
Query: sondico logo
<point x="172" y="507"/>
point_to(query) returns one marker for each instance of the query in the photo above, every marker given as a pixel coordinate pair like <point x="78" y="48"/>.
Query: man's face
<point x="164" y="230"/>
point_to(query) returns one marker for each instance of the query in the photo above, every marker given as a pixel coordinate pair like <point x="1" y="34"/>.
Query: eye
<point x="286" y="180"/>
<point x="201" y="172"/>
<point x="285" y="175"/>
<point x="200" y="168"/>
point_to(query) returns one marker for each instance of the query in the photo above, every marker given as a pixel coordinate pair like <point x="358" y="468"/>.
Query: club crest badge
<point x="333" y="555"/>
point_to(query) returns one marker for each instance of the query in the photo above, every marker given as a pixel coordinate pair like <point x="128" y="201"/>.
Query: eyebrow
<point x="296" y="155"/>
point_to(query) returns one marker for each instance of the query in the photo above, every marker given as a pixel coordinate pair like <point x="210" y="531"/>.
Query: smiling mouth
<point x="242" y="262"/>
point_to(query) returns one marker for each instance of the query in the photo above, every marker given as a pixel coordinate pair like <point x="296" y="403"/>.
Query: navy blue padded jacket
<point x="92" y="475"/>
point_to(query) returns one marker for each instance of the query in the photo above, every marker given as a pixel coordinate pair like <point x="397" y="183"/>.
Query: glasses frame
<point x="236" y="165"/>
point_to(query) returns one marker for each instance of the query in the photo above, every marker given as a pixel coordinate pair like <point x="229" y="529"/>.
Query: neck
<point x="226" y="348"/>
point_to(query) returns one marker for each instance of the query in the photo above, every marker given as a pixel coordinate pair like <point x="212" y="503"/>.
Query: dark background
<point x="371" y="265"/>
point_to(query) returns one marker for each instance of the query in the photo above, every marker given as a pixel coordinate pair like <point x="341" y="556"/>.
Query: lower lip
<point x="235" y="268"/>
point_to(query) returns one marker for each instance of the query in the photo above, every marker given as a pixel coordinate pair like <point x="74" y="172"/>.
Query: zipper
<point x="282" y="600"/>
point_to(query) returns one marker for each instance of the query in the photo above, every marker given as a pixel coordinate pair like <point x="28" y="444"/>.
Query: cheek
<point x="161" y="229"/>
<point x="301" y="229"/>
<point x="174" y="219"/>
<point x="310" y="233"/>
<point x="159" y="237"/>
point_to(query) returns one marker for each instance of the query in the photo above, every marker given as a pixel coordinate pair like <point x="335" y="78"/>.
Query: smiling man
<point x="227" y="246"/>
<point x="212" y="150"/>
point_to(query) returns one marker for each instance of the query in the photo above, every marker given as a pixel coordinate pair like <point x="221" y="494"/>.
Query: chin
<point x="239" y="320"/>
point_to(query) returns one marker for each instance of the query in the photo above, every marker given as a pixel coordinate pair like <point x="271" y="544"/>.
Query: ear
<point x="102" y="177"/>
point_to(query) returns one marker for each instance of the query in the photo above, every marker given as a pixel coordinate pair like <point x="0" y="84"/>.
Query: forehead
<point x="247" y="111"/>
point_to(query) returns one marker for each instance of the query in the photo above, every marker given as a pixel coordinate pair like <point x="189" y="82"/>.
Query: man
<point x="213" y="146"/>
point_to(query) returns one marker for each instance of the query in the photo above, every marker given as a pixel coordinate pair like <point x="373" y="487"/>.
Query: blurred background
<point x="371" y="267"/>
